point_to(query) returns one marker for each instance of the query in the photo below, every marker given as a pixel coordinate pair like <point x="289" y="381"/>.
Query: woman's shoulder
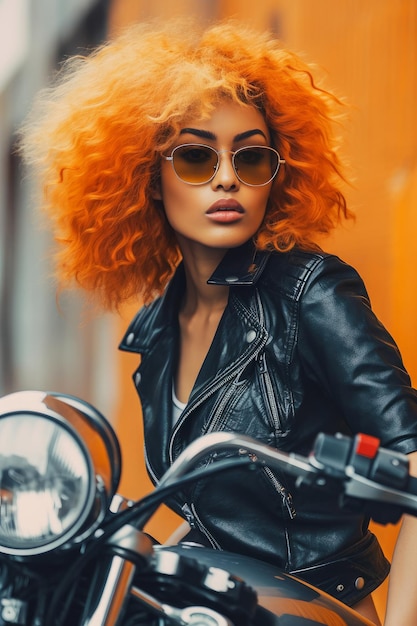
<point x="298" y="270"/>
<point x="308" y="261"/>
<point x="154" y="318"/>
<point x="141" y="328"/>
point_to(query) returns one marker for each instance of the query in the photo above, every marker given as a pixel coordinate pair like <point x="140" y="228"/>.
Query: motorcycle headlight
<point x="59" y="468"/>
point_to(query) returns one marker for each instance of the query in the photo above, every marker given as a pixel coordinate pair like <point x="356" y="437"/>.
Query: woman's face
<point x="224" y="212"/>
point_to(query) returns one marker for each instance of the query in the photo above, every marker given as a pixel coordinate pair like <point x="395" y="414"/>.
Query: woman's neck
<point x="199" y="296"/>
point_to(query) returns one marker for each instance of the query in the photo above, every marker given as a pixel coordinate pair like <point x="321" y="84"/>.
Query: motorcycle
<point x="73" y="552"/>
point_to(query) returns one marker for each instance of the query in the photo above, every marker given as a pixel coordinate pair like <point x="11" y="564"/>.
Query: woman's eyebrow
<point x="206" y="134"/>
<point x="250" y="133"/>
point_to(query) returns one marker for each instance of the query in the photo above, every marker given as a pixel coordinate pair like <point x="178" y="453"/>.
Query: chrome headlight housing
<point x="60" y="466"/>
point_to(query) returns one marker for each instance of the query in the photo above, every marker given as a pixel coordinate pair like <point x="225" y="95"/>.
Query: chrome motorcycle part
<point x="59" y="468"/>
<point x="184" y="582"/>
<point x="13" y="611"/>
<point x="195" y="615"/>
<point x="128" y="548"/>
<point x="201" y="616"/>
<point x="111" y="597"/>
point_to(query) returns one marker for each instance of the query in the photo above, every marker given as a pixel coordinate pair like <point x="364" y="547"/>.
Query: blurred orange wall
<point x="368" y="49"/>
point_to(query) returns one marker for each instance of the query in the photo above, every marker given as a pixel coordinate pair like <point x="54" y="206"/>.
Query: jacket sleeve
<point x="345" y="349"/>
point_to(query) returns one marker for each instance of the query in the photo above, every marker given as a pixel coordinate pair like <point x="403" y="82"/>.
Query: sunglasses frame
<point x="218" y="153"/>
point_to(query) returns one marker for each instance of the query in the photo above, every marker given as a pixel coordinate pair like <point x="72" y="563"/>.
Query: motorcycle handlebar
<point x="357" y="469"/>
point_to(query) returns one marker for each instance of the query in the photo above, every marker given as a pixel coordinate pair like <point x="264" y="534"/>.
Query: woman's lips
<point x="225" y="211"/>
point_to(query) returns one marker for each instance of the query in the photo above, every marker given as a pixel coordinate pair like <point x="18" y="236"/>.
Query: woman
<point x="198" y="169"/>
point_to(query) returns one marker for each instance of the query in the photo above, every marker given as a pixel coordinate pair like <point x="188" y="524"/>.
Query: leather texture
<point x="298" y="351"/>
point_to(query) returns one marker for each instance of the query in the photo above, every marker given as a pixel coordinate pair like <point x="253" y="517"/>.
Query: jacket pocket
<point x="274" y="389"/>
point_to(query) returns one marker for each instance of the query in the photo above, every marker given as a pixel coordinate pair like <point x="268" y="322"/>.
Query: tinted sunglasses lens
<point x="195" y="164"/>
<point x="256" y="165"/>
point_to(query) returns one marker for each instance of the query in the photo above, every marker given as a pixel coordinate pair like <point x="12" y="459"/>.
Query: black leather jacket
<point x="298" y="351"/>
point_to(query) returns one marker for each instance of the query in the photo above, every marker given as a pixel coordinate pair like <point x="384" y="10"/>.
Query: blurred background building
<point x="41" y="345"/>
<point x="367" y="48"/>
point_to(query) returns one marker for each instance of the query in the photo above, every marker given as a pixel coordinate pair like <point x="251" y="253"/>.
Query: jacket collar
<point x="240" y="266"/>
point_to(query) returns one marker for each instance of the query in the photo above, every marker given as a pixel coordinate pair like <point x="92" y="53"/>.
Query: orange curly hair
<point x="96" y="137"/>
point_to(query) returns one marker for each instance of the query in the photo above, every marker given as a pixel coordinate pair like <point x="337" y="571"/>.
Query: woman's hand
<point x="402" y="591"/>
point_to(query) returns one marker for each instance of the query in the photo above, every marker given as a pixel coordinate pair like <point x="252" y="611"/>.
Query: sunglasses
<point x="197" y="164"/>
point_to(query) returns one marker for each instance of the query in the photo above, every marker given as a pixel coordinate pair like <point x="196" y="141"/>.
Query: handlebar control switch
<point x="366" y="445"/>
<point x="385" y="467"/>
<point x="390" y="469"/>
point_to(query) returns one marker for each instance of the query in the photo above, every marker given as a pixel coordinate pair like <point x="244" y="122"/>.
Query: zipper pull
<point x="262" y="362"/>
<point x="288" y="502"/>
<point x="188" y="515"/>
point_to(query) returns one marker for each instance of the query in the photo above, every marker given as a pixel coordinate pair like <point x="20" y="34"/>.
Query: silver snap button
<point x="340" y="588"/>
<point x="232" y="279"/>
<point x="130" y="338"/>
<point x="250" y="335"/>
<point x="138" y="378"/>
<point x="360" y="583"/>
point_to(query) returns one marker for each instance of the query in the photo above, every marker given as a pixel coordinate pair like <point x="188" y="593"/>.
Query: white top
<point x="177" y="406"/>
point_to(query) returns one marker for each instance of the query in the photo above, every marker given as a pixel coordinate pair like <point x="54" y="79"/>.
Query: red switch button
<point x="366" y="445"/>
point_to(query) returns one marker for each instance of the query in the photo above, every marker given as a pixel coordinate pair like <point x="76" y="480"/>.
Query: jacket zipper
<point x="194" y="521"/>
<point x="152" y="474"/>
<point x="244" y="359"/>
<point x="218" y="417"/>
<point x="265" y="378"/>
<point x="203" y="529"/>
<point x="271" y="401"/>
<point x="286" y="497"/>
<point x="210" y="390"/>
<point x="284" y="494"/>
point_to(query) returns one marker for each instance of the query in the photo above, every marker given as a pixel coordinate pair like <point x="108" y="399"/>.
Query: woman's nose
<point x="225" y="177"/>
